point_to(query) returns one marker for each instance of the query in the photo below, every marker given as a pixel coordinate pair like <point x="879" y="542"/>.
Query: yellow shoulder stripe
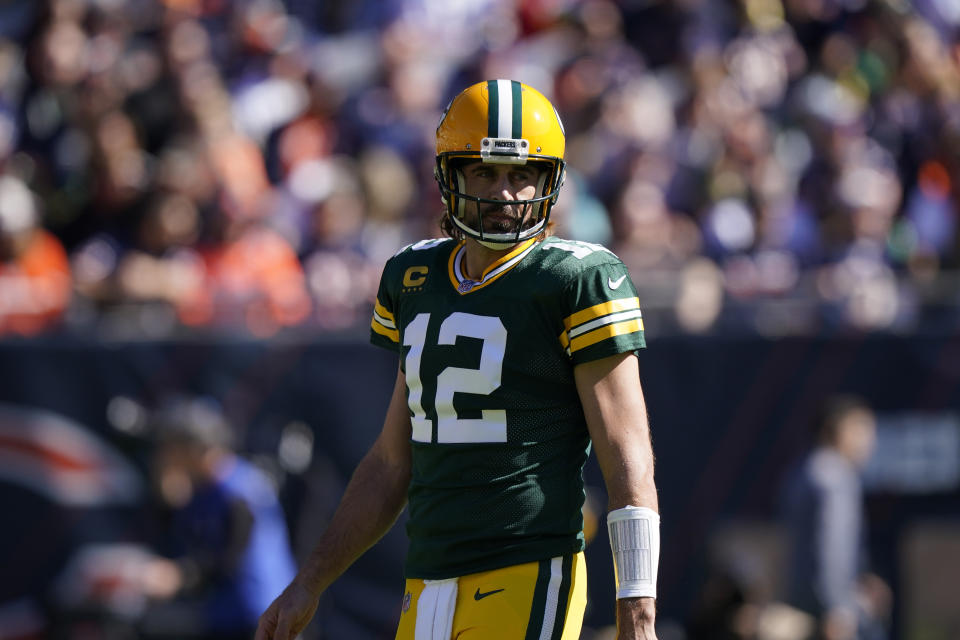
<point x="607" y="331"/>
<point x="602" y="309"/>
<point x="382" y="310"/>
<point x="393" y="334"/>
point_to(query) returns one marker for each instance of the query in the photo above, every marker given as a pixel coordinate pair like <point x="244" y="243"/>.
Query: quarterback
<point x="517" y="353"/>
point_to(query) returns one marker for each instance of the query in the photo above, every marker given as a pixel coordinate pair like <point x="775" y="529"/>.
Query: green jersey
<point x="499" y="438"/>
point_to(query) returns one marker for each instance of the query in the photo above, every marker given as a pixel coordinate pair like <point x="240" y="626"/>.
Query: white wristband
<point x="635" y="543"/>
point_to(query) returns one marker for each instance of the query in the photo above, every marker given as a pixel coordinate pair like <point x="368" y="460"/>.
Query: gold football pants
<point x="541" y="600"/>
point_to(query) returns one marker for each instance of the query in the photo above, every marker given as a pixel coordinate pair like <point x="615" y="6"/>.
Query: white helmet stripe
<point x="505" y="116"/>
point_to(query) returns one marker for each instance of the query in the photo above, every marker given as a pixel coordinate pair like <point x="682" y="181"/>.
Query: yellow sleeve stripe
<point x="393" y="334"/>
<point x="602" y="309"/>
<point x="608" y="331"/>
<point x="382" y="310"/>
<point x="612" y="318"/>
<point x="564" y="341"/>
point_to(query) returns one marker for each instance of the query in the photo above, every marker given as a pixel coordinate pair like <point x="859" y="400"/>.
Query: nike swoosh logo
<point x="481" y="596"/>
<point x="615" y="284"/>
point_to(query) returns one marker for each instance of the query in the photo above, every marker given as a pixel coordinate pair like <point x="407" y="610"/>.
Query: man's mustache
<point x="506" y="207"/>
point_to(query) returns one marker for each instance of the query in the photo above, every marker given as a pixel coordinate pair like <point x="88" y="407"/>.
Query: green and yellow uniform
<point x="534" y="600"/>
<point x="499" y="437"/>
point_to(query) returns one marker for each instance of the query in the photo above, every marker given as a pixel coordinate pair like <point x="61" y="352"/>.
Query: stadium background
<point x="208" y="191"/>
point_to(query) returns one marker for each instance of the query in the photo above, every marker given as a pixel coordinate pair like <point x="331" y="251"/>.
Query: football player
<point x="517" y="351"/>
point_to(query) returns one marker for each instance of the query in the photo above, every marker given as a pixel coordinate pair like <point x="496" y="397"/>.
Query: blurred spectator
<point x="231" y="549"/>
<point x="34" y="272"/>
<point x="250" y="277"/>
<point x="805" y="148"/>
<point x="163" y="265"/>
<point x="822" y="504"/>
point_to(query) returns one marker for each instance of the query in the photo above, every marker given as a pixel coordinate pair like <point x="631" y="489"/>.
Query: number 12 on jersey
<point x="484" y="380"/>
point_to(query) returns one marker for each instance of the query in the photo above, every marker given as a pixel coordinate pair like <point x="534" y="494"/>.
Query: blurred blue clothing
<point x="823" y="512"/>
<point x="934" y="222"/>
<point x="823" y="516"/>
<point x="235" y="532"/>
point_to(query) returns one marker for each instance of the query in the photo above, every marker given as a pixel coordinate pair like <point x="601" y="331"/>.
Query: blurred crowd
<point x="781" y="166"/>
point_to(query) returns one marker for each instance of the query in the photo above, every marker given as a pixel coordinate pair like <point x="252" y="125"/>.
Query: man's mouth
<point x="498" y="221"/>
<point x="498" y="214"/>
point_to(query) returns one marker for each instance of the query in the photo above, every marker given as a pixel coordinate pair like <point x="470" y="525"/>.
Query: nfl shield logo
<point x="465" y="286"/>
<point x="406" y="602"/>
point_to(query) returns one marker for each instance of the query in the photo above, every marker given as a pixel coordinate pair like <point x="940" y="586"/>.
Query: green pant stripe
<point x="563" y="597"/>
<point x="493" y="108"/>
<point x="517" y="110"/>
<point x="535" y="624"/>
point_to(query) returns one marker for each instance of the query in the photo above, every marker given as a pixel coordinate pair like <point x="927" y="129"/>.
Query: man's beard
<point x="501" y="218"/>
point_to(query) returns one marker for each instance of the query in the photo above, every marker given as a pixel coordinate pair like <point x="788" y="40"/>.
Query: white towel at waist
<point x="435" y="608"/>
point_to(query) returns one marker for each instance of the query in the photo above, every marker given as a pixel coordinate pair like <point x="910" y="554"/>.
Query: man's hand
<point x="288" y="614"/>
<point x="635" y="619"/>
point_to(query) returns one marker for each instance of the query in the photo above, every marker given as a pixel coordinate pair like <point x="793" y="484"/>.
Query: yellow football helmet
<point x="505" y="122"/>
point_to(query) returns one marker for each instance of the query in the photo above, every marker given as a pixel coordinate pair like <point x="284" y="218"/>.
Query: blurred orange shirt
<point x="35" y="288"/>
<point x="257" y="279"/>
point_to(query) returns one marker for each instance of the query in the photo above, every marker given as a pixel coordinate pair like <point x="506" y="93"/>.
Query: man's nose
<point x="502" y="187"/>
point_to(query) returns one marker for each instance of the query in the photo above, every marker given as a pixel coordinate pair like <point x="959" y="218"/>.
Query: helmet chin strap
<point x="496" y="245"/>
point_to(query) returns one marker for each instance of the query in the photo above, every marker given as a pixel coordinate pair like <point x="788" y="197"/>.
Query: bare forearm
<point x="633" y="485"/>
<point x="632" y="482"/>
<point x="370" y="505"/>
<point x="616" y="415"/>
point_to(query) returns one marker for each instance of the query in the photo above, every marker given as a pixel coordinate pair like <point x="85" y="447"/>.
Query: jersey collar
<point x="465" y="285"/>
